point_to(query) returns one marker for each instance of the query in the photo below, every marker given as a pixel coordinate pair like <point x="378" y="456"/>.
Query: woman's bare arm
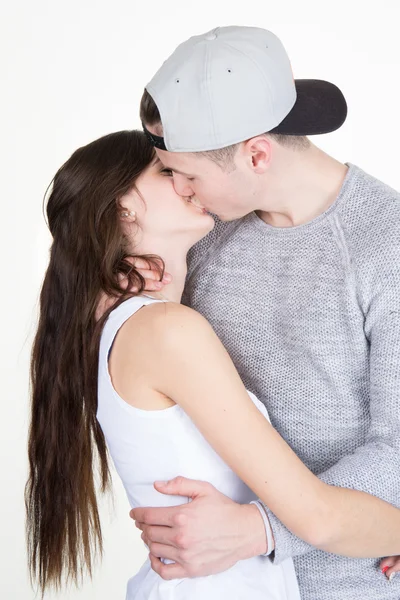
<point x="190" y="365"/>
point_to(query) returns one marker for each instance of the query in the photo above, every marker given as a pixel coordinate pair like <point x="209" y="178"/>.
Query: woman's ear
<point x="127" y="215"/>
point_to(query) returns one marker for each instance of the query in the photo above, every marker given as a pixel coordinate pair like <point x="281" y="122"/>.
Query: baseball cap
<point x="233" y="83"/>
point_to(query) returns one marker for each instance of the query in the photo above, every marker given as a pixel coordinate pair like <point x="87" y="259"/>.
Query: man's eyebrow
<point x="178" y="171"/>
<point x="156" y="160"/>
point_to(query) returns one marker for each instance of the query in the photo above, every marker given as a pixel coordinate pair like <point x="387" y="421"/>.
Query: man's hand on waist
<point x="203" y="537"/>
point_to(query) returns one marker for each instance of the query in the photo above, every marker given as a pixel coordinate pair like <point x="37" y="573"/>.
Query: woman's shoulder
<point x="163" y="338"/>
<point x="165" y="325"/>
<point x="171" y="321"/>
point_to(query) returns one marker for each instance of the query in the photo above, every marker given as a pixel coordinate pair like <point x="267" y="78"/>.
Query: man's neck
<point x="302" y="186"/>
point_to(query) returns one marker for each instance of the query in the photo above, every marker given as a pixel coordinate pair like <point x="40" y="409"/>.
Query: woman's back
<point x="150" y="445"/>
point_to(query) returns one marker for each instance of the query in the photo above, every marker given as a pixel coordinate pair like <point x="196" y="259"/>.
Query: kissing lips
<point x="194" y="202"/>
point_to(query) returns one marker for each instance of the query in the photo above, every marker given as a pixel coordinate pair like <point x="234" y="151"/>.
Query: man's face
<point x="226" y="193"/>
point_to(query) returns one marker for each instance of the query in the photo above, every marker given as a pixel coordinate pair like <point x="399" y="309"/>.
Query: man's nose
<point x="182" y="186"/>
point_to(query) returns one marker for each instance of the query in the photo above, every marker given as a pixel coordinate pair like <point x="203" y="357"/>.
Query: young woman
<point x="152" y="380"/>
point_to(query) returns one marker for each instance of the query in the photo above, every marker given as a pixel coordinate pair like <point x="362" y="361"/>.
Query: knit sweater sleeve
<point x="374" y="467"/>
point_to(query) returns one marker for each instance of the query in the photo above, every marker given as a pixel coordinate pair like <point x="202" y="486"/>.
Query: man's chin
<point x="202" y="233"/>
<point x="226" y="218"/>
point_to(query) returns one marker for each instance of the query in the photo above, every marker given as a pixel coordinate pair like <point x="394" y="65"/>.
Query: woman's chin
<point x="202" y="227"/>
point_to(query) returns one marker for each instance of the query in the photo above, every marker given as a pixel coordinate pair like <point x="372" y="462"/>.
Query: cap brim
<point x="320" y="108"/>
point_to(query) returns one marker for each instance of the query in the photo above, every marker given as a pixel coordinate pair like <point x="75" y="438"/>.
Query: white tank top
<point x="150" y="445"/>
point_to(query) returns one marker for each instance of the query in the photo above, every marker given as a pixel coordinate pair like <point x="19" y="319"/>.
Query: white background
<point x="72" y="71"/>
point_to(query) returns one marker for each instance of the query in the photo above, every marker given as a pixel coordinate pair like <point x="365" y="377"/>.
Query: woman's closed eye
<point x="167" y="172"/>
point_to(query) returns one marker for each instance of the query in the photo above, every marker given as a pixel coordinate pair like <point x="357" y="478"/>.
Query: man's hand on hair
<point x="151" y="276"/>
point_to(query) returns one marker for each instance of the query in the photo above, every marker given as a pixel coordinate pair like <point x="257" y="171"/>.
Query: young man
<point x="306" y="258"/>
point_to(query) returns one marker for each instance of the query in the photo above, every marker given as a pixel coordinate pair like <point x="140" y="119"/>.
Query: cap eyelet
<point x="229" y="70"/>
<point x="177" y="80"/>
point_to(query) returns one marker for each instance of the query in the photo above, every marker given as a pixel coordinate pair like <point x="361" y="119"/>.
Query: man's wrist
<point x="267" y="525"/>
<point x="255" y="543"/>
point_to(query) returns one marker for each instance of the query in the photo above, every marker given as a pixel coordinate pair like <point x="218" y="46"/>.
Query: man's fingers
<point x="153" y="286"/>
<point x="159" y="535"/>
<point x="141" y="263"/>
<point x="156" y="516"/>
<point x="148" y="270"/>
<point x="161" y="551"/>
<point x="152" y="280"/>
<point x="167" y="572"/>
<point x="182" y="486"/>
<point x="150" y="275"/>
<point x="150" y="285"/>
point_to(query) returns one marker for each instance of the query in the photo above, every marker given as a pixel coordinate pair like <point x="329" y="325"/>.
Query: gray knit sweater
<point x="311" y="318"/>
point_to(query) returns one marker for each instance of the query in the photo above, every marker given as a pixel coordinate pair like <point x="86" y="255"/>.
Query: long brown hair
<point x="87" y="255"/>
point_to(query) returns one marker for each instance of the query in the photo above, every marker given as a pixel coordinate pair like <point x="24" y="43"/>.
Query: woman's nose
<point x="182" y="186"/>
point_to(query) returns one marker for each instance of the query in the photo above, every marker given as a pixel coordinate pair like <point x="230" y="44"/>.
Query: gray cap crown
<point x="222" y="87"/>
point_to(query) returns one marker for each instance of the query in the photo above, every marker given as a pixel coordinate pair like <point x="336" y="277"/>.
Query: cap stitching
<point x="207" y="81"/>
<point x="254" y="63"/>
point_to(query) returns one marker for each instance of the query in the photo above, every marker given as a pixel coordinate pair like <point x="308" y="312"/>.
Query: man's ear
<point x="259" y="150"/>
